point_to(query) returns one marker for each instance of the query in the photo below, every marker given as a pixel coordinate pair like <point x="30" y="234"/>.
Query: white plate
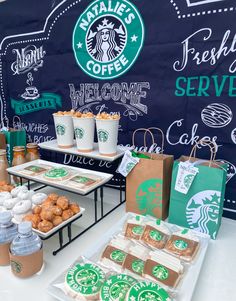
<point x="47" y="234"/>
<point x="186" y="289"/>
<point x="52" y="146"/>
<point x="105" y="177"/>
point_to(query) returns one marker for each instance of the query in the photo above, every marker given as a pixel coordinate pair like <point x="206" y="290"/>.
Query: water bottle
<point x="26" y="252"/>
<point x="8" y="231"/>
<point x="26" y="242"/>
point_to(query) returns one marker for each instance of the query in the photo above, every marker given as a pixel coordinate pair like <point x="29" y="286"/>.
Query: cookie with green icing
<point x="184" y="244"/>
<point x="147" y="291"/>
<point x="57" y="174"/>
<point x="84" y="281"/>
<point x="116" y="287"/>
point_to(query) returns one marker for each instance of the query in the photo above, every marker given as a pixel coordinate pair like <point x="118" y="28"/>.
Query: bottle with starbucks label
<point x="8" y="231"/>
<point x="26" y="252"/>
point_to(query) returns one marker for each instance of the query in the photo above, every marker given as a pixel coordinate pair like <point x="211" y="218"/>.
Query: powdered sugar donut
<point x="17" y="189"/>
<point x="5" y="195"/>
<point x="217" y="115"/>
<point x="10" y="203"/>
<point x="26" y="195"/>
<point x="21" y="209"/>
<point x="38" y="198"/>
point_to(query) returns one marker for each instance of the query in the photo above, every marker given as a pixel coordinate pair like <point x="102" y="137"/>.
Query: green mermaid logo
<point x="149" y="196"/>
<point x="79" y="133"/>
<point x="60" y="129"/>
<point x="202" y="211"/>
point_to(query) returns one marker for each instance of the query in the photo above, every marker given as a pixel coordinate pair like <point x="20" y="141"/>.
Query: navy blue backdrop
<point x="166" y="63"/>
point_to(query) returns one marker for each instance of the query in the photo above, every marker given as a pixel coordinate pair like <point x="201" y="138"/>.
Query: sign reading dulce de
<point x="108" y="38"/>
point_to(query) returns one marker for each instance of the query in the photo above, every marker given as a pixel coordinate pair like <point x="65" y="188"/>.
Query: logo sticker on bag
<point x="149" y="196"/>
<point x="202" y="211"/>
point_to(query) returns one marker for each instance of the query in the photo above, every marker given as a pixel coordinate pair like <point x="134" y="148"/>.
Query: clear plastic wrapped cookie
<point x="184" y="244"/>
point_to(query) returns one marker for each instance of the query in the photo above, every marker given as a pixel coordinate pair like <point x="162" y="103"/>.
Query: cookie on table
<point x="164" y="268"/>
<point x="116" y="287"/>
<point x="134" y="227"/>
<point x="183" y="244"/>
<point x="84" y="281"/>
<point x="115" y="253"/>
<point x="156" y="234"/>
<point x="135" y="260"/>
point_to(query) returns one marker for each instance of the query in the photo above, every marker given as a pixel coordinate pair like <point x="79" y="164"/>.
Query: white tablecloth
<point x="217" y="280"/>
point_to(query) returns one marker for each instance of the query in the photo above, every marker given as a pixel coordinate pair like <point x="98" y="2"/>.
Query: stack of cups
<point x="64" y="129"/>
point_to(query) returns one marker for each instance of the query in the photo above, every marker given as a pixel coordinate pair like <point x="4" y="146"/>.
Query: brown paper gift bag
<point x="3" y="144"/>
<point x="148" y="184"/>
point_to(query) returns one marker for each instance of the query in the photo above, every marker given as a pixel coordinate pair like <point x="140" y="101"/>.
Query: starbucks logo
<point x="108" y="38"/>
<point x="16" y="266"/>
<point x="202" y="211"/>
<point x="118" y="256"/>
<point x="79" y="133"/>
<point x="160" y="272"/>
<point x="180" y="245"/>
<point x="149" y="196"/>
<point x="138" y="230"/>
<point x="129" y="167"/>
<point x="155" y="235"/>
<point x="60" y="129"/>
<point x="138" y="266"/>
<point x="119" y="291"/>
<point x="103" y="135"/>
<point x="188" y="180"/>
<point x="87" y="277"/>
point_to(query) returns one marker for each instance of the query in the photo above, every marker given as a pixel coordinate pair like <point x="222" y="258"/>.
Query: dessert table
<point x="19" y="171"/>
<point x="216" y="280"/>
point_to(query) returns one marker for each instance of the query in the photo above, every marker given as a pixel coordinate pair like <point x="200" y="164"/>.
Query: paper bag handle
<point x="162" y="136"/>
<point x="142" y="130"/>
<point x="213" y="150"/>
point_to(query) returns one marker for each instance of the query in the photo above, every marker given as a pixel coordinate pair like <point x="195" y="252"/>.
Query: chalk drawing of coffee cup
<point x="216" y="115"/>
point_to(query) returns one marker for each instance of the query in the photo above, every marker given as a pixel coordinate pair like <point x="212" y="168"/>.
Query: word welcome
<point x="132" y="93"/>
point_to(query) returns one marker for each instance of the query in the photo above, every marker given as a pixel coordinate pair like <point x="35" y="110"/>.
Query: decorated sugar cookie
<point x="116" y="287"/>
<point x="84" y="281"/>
<point x="57" y="174"/>
<point x="147" y="291"/>
<point x="164" y="268"/>
<point x="184" y="244"/>
<point x="134" y="228"/>
<point x="156" y="234"/>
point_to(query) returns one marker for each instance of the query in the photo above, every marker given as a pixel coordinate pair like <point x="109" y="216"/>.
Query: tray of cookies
<point x="74" y="179"/>
<point x="147" y="254"/>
